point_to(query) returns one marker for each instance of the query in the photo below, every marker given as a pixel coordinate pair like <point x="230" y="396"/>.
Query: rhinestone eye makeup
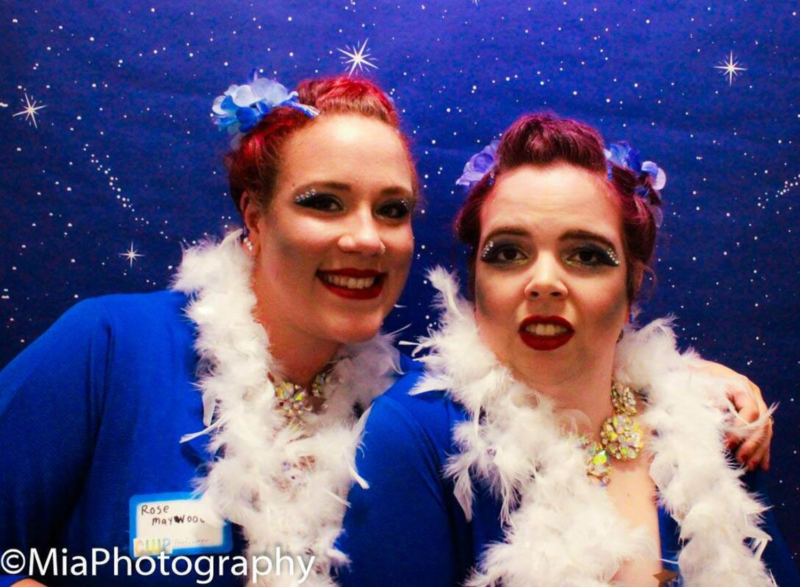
<point x="305" y="196"/>
<point x="613" y="256"/>
<point x="487" y="250"/>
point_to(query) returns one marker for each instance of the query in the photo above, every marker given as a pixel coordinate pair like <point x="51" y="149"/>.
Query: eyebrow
<point x="587" y="235"/>
<point x="569" y="235"/>
<point x="506" y="230"/>
<point x="346" y="187"/>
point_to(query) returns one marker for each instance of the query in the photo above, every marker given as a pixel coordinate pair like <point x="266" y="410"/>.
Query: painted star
<point x="665" y="578"/>
<point x="30" y="110"/>
<point x="131" y="254"/>
<point x="359" y="58"/>
<point x="730" y="68"/>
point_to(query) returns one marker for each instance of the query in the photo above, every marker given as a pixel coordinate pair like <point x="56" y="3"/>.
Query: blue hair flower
<point x="479" y="165"/>
<point x="623" y="155"/>
<point x="241" y="108"/>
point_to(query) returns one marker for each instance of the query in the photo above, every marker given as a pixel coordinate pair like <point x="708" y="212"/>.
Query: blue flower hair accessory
<point x="479" y="165"/>
<point x="240" y="108"/>
<point x="623" y="155"/>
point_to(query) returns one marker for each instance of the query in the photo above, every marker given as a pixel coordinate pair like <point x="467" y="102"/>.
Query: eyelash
<point x="392" y="210"/>
<point x="493" y="252"/>
<point x="602" y="256"/>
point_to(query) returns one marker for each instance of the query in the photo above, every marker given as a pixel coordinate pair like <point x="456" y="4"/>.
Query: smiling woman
<point x="281" y="341"/>
<point x="334" y="247"/>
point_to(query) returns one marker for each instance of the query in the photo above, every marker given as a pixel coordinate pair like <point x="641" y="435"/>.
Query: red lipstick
<point x="540" y="342"/>
<point x="350" y="293"/>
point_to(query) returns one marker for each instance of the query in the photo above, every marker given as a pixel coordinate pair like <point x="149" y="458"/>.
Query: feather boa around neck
<point x="561" y="529"/>
<point x="285" y="487"/>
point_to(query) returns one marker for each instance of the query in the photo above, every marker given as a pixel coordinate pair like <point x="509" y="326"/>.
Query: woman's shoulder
<point x="134" y="313"/>
<point x="154" y="306"/>
<point x="429" y="416"/>
<point x="118" y="324"/>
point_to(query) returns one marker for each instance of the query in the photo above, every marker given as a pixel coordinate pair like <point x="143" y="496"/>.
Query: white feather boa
<point x="561" y="529"/>
<point x="262" y="481"/>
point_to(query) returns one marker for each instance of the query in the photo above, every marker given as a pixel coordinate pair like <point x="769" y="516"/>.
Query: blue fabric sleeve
<point x="398" y="532"/>
<point x="50" y="404"/>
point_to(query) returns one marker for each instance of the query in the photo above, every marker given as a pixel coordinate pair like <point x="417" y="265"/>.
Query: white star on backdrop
<point x="358" y="57"/>
<point x="730" y="68"/>
<point x="131" y="254"/>
<point x="30" y="111"/>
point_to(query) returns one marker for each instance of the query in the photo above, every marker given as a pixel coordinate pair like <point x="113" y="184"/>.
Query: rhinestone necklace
<point x="295" y="400"/>
<point x="621" y="437"/>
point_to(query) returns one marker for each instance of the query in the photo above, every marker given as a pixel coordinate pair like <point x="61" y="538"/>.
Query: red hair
<point x="253" y="166"/>
<point x="544" y="139"/>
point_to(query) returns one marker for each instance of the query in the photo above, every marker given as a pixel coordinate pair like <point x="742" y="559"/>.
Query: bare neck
<point x="588" y="390"/>
<point x="299" y="357"/>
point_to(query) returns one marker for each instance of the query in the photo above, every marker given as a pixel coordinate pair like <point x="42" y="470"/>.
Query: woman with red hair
<point x="548" y="441"/>
<point x="278" y="328"/>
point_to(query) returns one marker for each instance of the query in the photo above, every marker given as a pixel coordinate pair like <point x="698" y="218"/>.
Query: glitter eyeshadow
<point x="487" y="249"/>
<point x="305" y="196"/>
<point x="613" y="256"/>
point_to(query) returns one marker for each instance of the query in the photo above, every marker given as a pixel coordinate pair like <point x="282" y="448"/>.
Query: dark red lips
<point x="545" y="343"/>
<point x="367" y="293"/>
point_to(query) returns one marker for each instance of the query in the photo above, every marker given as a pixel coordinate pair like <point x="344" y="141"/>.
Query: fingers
<point x="747" y="412"/>
<point x="755" y="450"/>
<point x="765" y="461"/>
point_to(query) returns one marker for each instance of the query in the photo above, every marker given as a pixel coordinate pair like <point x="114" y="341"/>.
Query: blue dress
<point x="408" y="529"/>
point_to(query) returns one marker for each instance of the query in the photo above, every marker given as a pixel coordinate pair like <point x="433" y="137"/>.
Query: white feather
<point x="561" y="528"/>
<point x="249" y="484"/>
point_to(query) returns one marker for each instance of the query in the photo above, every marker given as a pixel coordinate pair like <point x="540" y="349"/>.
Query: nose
<point x="362" y="235"/>
<point x="546" y="279"/>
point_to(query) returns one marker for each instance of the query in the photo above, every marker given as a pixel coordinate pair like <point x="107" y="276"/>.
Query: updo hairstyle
<point x="253" y="166"/>
<point x="543" y="139"/>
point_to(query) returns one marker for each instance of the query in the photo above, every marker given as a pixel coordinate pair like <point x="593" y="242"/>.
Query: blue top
<point x="408" y="528"/>
<point x="91" y="415"/>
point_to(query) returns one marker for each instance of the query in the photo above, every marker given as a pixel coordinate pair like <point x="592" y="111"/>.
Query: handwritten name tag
<point x="175" y="524"/>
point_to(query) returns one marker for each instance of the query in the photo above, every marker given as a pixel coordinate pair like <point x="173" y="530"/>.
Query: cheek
<point x="609" y="306"/>
<point x="287" y="249"/>
<point x="495" y="302"/>
<point x="402" y="241"/>
<point x="481" y="301"/>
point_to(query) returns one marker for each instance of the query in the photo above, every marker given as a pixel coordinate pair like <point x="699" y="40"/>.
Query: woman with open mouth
<point x="548" y="441"/>
<point x="277" y="326"/>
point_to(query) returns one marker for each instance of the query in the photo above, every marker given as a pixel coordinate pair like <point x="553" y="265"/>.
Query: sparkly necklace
<point x="621" y="437"/>
<point x="295" y="400"/>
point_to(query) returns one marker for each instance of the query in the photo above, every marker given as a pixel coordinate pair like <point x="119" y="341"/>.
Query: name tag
<point x="175" y="524"/>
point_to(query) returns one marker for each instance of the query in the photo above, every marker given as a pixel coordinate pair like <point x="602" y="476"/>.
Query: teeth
<point x="349" y="282"/>
<point x="546" y="329"/>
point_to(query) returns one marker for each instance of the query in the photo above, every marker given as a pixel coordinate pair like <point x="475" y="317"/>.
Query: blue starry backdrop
<point x="110" y="160"/>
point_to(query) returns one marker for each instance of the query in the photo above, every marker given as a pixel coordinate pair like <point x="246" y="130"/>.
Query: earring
<point x="246" y="239"/>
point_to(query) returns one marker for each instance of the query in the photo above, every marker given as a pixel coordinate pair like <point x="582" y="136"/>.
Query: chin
<point x="354" y="330"/>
